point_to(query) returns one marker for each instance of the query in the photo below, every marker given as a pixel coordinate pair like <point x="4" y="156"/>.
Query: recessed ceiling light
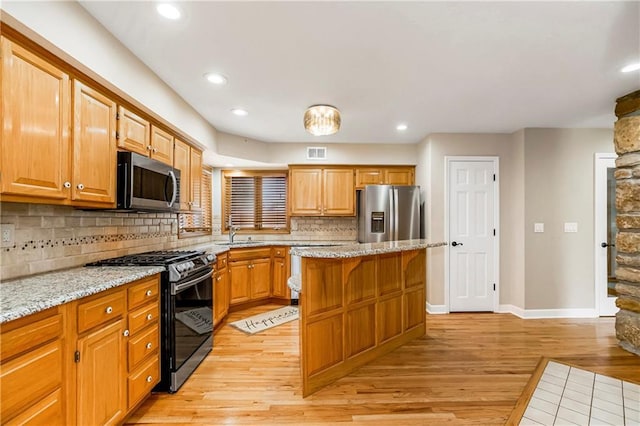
<point x="239" y="111"/>
<point x="631" y="67"/>
<point x="401" y="127"/>
<point x="216" y="78"/>
<point x="169" y="11"/>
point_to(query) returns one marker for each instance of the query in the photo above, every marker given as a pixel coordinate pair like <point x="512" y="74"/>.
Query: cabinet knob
<point x="67" y="184"/>
<point x="149" y="316"/>
<point x="149" y="345"/>
<point x="219" y="278"/>
<point x="109" y="309"/>
<point x="80" y="186"/>
<point x="149" y="293"/>
<point x="148" y="147"/>
<point x="155" y="149"/>
<point x="125" y="333"/>
<point x="149" y="379"/>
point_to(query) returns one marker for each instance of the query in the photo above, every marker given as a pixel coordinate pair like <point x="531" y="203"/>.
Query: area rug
<point x="561" y="394"/>
<point x="267" y="320"/>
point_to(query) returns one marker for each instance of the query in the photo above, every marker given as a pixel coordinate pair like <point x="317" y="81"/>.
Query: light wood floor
<point x="468" y="369"/>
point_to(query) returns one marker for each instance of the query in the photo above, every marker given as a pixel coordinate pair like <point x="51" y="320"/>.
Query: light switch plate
<point x="570" y="227"/>
<point x="7" y="232"/>
<point x="538" y="227"/>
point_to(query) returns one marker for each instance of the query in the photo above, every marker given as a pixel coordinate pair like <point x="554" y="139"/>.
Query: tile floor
<point x="570" y="396"/>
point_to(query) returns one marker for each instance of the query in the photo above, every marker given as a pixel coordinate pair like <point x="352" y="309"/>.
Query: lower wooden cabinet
<point x="250" y="274"/>
<point x="87" y="362"/>
<point x="221" y="290"/>
<point x="281" y="271"/>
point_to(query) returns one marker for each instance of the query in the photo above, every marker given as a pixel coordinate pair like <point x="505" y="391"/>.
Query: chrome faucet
<point x="232" y="230"/>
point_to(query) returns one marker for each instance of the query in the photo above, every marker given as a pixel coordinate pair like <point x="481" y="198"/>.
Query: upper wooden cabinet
<point x="94" y="145"/>
<point x="381" y="175"/>
<point x="36" y="124"/>
<point x="161" y="147"/>
<point x="188" y="160"/>
<point x="134" y="132"/>
<point x="323" y="191"/>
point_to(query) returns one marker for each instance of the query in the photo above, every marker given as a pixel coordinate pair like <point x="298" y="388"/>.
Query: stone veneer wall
<point x="50" y="237"/>
<point x="627" y="144"/>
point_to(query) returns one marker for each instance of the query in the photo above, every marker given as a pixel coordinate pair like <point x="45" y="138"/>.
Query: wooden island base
<point x="356" y="309"/>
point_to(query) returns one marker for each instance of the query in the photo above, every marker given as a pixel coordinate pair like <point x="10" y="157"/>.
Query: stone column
<point x="627" y="143"/>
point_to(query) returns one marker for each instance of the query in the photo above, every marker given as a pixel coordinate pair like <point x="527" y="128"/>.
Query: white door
<point x="605" y="232"/>
<point x="472" y="243"/>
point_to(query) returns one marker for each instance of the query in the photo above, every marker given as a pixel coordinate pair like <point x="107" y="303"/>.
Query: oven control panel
<point x="183" y="269"/>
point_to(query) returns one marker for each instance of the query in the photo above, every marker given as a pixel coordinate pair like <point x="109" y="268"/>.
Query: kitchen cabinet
<point x="189" y="161"/>
<point x="161" y="147"/>
<point x="32" y="371"/>
<point x="281" y="273"/>
<point x="36" y="125"/>
<point x="134" y="132"/>
<point x="381" y="175"/>
<point x="94" y="145"/>
<point x="250" y="274"/>
<point x="326" y="191"/>
<point x="221" y="290"/>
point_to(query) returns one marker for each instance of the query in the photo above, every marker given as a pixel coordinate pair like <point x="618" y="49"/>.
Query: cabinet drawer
<point x="279" y="251"/>
<point x="100" y="310"/>
<point x="29" y="378"/>
<point x="142" y="345"/>
<point x="222" y="263"/>
<point x="142" y="317"/>
<point x="252" y="253"/>
<point x="144" y="291"/>
<point x="47" y="411"/>
<point x="143" y="380"/>
<point x="29" y="336"/>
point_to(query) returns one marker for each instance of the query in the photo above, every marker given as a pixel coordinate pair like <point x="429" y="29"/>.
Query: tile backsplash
<point x="48" y="237"/>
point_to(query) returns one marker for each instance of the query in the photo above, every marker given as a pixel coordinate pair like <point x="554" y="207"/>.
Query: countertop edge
<point x="364" y="249"/>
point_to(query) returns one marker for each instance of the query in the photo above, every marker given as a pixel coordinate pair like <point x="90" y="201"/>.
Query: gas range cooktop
<point x="161" y="258"/>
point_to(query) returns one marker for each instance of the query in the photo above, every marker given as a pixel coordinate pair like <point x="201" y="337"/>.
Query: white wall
<point x="65" y="28"/>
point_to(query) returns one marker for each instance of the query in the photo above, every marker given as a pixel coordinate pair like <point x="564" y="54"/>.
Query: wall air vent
<point x="316" y="153"/>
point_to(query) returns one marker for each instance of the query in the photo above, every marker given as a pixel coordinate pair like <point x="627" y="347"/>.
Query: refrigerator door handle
<point x="394" y="214"/>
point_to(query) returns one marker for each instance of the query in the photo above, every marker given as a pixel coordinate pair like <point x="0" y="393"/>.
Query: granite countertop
<point x="364" y="249"/>
<point x="216" y="247"/>
<point x="26" y="296"/>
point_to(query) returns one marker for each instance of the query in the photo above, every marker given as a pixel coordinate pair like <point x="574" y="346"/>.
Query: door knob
<point x="605" y="245"/>
<point x="456" y="244"/>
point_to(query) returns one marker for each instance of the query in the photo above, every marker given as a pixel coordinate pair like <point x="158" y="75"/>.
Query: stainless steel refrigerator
<point x="388" y="213"/>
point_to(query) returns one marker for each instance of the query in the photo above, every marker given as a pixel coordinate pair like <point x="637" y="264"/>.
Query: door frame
<point x="496" y="220"/>
<point x="599" y="198"/>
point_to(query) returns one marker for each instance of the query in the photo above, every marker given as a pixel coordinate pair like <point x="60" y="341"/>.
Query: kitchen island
<point x="357" y="303"/>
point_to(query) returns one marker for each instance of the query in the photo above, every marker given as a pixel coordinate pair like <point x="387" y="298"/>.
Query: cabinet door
<point x="36" y="107"/>
<point x="195" y="164"/>
<point x="369" y="176"/>
<point x="218" y="301"/>
<point x="161" y="146"/>
<point x="399" y="176"/>
<point x="94" y="145"/>
<point x="339" y="192"/>
<point x="280" y="277"/>
<point x="260" y="278"/>
<point x="305" y="192"/>
<point x="240" y="278"/>
<point x="181" y="157"/>
<point x="102" y="372"/>
<point x="134" y="132"/>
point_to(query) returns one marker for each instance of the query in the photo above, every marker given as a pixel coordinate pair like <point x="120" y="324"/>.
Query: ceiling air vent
<point x="316" y="153"/>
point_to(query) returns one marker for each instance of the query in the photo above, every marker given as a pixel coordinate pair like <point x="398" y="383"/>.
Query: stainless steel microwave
<point x="145" y="184"/>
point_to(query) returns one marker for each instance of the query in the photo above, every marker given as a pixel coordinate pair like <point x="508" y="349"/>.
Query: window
<point x="255" y="200"/>
<point x="196" y="224"/>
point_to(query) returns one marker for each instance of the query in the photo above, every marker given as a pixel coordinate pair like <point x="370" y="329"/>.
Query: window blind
<point x="256" y="201"/>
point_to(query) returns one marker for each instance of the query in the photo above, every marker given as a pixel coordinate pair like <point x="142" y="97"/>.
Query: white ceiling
<point x="436" y="66"/>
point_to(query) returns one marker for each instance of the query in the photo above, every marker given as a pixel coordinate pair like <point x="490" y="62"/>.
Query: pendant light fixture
<point x="322" y="120"/>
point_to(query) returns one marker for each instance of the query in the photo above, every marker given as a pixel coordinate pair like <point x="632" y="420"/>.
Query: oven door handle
<point x="179" y="287"/>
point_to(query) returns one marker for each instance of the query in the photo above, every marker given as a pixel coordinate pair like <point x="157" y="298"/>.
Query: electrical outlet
<point x="538" y="227"/>
<point x="7" y="230"/>
<point x="570" y="227"/>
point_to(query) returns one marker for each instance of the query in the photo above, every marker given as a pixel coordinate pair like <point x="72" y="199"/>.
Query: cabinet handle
<point x="125" y="333"/>
<point x="67" y="185"/>
<point x="155" y="149"/>
<point x="148" y="147"/>
<point x="149" y="345"/>
<point x="109" y="309"/>
<point x="149" y="293"/>
<point x="219" y="278"/>
<point x="80" y="186"/>
<point x="149" y="379"/>
<point x="149" y="316"/>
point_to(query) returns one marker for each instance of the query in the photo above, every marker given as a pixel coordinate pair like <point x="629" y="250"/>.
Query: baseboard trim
<point x="436" y="309"/>
<point x="511" y="309"/>
<point x="560" y="313"/>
